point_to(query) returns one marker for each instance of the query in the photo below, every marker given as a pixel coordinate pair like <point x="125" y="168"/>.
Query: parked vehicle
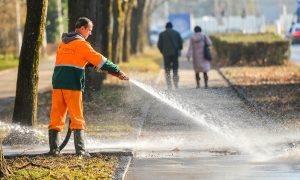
<point x="294" y="33"/>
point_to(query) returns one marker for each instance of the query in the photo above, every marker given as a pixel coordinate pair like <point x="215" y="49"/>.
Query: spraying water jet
<point x="227" y="130"/>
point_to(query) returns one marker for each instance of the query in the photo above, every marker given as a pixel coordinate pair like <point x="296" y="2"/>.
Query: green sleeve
<point x="110" y="67"/>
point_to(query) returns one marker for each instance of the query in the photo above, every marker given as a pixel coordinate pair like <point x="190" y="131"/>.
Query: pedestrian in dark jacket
<point x="170" y="45"/>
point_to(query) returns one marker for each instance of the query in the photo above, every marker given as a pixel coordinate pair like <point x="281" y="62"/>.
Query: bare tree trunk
<point x="117" y="15"/>
<point x="18" y="28"/>
<point x="104" y="26"/>
<point x="25" y="110"/>
<point x="134" y="30"/>
<point x="127" y="20"/>
<point x="137" y="27"/>
<point x="146" y="32"/>
<point x="96" y="11"/>
<point x="59" y="17"/>
<point x="123" y="5"/>
<point x="99" y="13"/>
<point x="4" y="169"/>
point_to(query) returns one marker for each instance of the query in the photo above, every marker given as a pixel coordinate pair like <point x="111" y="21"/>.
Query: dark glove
<point x="120" y="75"/>
<point x="123" y="76"/>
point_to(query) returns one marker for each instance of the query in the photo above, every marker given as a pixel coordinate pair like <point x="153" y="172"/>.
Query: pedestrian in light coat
<point x="196" y="52"/>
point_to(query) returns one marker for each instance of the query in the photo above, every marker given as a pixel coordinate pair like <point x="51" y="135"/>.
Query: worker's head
<point x="169" y="25"/>
<point x="84" y="26"/>
<point x="197" y="29"/>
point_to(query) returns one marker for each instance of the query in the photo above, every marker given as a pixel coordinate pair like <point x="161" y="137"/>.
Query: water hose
<point x="67" y="138"/>
<point x="68" y="135"/>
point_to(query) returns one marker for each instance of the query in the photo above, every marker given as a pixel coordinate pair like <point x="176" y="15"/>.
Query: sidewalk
<point x="178" y="160"/>
<point x="178" y="147"/>
<point x="8" y="80"/>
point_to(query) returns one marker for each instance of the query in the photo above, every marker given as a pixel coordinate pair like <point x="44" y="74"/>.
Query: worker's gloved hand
<point x="119" y="74"/>
<point x="122" y="76"/>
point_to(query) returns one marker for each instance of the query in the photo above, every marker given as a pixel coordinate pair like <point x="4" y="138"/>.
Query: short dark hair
<point x="82" y="21"/>
<point x="169" y="25"/>
<point x="197" y="29"/>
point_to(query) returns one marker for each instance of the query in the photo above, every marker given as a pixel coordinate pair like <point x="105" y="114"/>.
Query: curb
<point x="122" y="169"/>
<point x="43" y="153"/>
<point x="241" y="94"/>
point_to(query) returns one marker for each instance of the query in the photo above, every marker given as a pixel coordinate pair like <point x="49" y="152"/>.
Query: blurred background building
<point x="246" y="16"/>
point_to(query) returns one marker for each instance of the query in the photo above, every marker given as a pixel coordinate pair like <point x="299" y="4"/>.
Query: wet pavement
<point x="210" y="166"/>
<point x="8" y="80"/>
<point x="224" y="138"/>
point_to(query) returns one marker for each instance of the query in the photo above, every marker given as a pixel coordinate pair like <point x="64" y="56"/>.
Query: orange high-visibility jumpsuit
<point x="72" y="55"/>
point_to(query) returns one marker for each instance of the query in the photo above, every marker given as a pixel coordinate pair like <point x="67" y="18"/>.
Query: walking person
<point x="72" y="55"/>
<point x="196" y="51"/>
<point x="170" y="44"/>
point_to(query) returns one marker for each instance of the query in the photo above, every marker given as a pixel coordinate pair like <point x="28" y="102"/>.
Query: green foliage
<point x="8" y="61"/>
<point x="149" y="61"/>
<point x="64" y="4"/>
<point x="250" y="49"/>
<point x="8" y="37"/>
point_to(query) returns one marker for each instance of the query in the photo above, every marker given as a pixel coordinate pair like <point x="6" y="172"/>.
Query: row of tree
<point x="26" y="94"/>
<point x="119" y="25"/>
<point x="119" y="30"/>
<point x="11" y="18"/>
<point x="116" y="23"/>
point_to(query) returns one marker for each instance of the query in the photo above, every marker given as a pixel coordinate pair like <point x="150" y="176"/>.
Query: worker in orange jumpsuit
<point x="73" y="53"/>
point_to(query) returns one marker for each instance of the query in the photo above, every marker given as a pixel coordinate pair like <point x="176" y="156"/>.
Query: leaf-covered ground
<point x="274" y="90"/>
<point x="47" y="167"/>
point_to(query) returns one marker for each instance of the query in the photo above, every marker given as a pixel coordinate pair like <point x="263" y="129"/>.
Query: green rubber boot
<point x="79" y="143"/>
<point x="53" y="142"/>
